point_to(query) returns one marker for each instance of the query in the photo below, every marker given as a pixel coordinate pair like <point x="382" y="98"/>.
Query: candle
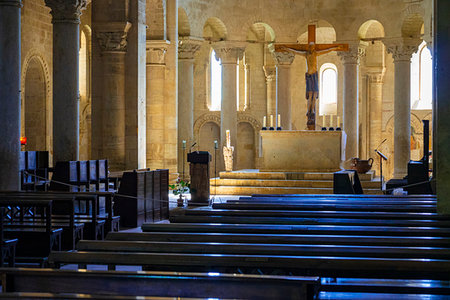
<point x="331" y="120"/>
<point x="216" y="145"/>
<point x="338" y="121"/>
<point x="279" y="121"/>
<point x="228" y="139"/>
<point x="184" y="144"/>
<point x="271" y="120"/>
<point x="264" y="122"/>
<point x="323" y="120"/>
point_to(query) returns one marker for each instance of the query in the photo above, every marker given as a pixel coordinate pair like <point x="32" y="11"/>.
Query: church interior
<point x="224" y="149"/>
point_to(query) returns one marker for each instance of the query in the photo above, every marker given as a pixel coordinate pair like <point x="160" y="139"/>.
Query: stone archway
<point x="208" y="133"/>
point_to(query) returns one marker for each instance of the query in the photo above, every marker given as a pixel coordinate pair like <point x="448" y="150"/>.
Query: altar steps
<point x="248" y="182"/>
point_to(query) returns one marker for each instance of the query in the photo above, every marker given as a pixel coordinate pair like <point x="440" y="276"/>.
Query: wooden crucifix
<point x="311" y="51"/>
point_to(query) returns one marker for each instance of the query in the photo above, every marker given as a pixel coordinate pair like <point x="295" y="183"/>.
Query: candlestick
<point x="228" y="139"/>
<point x="323" y="120"/>
<point x="279" y="121"/>
<point x="331" y="121"/>
<point x="216" y="145"/>
<point x="184" y="144"/>
<point x="264" y="121"/>
<point x="271" y="120"/>
<point x="338" y="121"/>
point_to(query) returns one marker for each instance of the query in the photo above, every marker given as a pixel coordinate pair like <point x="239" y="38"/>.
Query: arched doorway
<point x="245" y="147"/>
<point x="209" y="133"/>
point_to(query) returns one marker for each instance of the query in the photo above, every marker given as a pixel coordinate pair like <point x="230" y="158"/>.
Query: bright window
<point x="328" y="90"/>
<point x="421" y="78"/>
<point x="216" y="83"/>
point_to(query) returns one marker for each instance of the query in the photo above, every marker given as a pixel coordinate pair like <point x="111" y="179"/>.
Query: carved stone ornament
<point x="66" y="10"/>
<point x="228" y="158"/>
<point x="156" y="51"/>
<point x="283" y="58"/>
<point x="187" y="47"/>
<point x="113" y="39"/>
<point x="402" y="49"/>
<point x="229" y="53"/>
<point x="356" y="51"/>
<point x="270" y="73"/>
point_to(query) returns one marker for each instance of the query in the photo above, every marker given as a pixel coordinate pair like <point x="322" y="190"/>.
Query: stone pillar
<point x="9" y="93"/>
<point x="375" y="106"/>
<point x="112" y="39"/>
<point x="187" y="47"/>
<point x="402" y="50"/>
<point x="284" y="61"/>
<point x="66" y="34"/>
<point x="351" y="60"/>
<point x="248" y="85"/>
<point x="156" y="70"/>
<point x="441" y="105"/>
<point x="229" y="55"/>
<point x="271" y="80"/>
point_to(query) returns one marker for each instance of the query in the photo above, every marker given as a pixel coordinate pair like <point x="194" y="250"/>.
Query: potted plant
<point x="179" y="188"/>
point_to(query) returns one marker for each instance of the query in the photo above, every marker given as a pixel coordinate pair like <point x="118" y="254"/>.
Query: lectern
<point x="199" y="171"/>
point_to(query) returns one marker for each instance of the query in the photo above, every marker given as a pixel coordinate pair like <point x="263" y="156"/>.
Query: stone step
<point x="250" y="190"/>
<point x="285" y="183"/>
<point x="254" y="174"/>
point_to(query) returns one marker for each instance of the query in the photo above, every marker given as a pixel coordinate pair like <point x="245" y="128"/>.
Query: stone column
<point x="271" y="80"/>
<point x="187" y="47"/>
<point x="156" y="69"/>
<point x="351" y="60"/>
<point x="112" y="39"/>
<point x="375" y="112"/>
<point x="229" y="55"/>
<point x="66" y="34"/>
<point x="9" y="93"/>
<point x="283" y="62"/>
<point x="402" y="50"/>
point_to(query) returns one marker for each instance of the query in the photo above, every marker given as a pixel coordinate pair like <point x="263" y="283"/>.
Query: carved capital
<point x="156" y="51"/>
<point x="187" y="47"/>
<point x="270" y="73"/>
<point x="229" y="53"/>
<point x="113" y="37"/>
<point x="376" y="78"/>
<point x="17" y="3"/>
<point x="283" y="58"/>
<point x="66" y="10"/>
<point x="355" y="52"/>
<point x="402" y="49"/>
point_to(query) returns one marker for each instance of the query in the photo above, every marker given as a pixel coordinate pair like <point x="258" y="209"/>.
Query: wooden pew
<point x="264" y="249"/>
<point x="298" y="229"/>
<point x="352" y="267"/>
<point x="261" y="238"/>
<point x="7" y="246"/>
<point x="162" y="284"/>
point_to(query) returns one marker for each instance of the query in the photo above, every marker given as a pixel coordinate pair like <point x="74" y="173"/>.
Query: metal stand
<point x="382" y="157"/>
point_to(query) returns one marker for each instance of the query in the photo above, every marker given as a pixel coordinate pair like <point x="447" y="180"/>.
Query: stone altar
<point x="302" y="151"/>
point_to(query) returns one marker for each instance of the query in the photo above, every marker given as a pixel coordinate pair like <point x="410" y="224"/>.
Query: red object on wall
<point x="23" y="140"/>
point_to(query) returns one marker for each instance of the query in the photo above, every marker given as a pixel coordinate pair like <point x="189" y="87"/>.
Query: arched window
<point x="421" y="78"/>
<point x="328" y="90"/>
<point x="216" y="83"/>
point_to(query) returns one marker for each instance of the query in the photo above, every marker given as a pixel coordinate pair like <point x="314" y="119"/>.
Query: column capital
<point x="375" y="74"/>
<point x="17" y="3"/>
<point x="401" y="49"/>
<point x="112" y="37"/>
<point x="66" y="10"/>
<point x="156" y="51"/>
<point x="284" y="58"/>
<point x="357" y="49"/>
<point x="228" y="52"/>
<point x="188" y="46"/>
<point x="270" y="72"/>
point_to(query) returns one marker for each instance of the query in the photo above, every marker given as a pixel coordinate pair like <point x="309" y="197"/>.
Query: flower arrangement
<point x="179" y="188"/>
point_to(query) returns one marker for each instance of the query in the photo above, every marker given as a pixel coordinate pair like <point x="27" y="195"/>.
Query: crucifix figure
<point x="311" y="51"/>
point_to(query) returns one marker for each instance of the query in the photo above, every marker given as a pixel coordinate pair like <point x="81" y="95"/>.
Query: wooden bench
<point x="161" y="284"/>
<point x="7" y="246"/>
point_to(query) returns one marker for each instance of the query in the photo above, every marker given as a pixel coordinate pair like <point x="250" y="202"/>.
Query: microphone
<point x="190" y="149"/>
<point x="380" y="144"/>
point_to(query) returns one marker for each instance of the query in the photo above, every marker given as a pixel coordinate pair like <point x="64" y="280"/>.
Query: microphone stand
<point x="382" y="157"/>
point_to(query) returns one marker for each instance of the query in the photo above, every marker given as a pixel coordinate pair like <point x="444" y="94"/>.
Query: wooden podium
<point x="199" y="171"/>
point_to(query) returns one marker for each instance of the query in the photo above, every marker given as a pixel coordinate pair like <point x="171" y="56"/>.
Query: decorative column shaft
<point x="112" y="39"/>
<point x="284" y="61"/>
<point x="375" y="112"/>
<point x="271" y="80"/>
<point x="187" y="47"/>
<point x="9" y="93"/>
<point x="229" y="55"/>
<point x="66" y="34"/>
<point x="156" y="69"/>
<point x="402" y="50"/>
<point x="351" y="60"/>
